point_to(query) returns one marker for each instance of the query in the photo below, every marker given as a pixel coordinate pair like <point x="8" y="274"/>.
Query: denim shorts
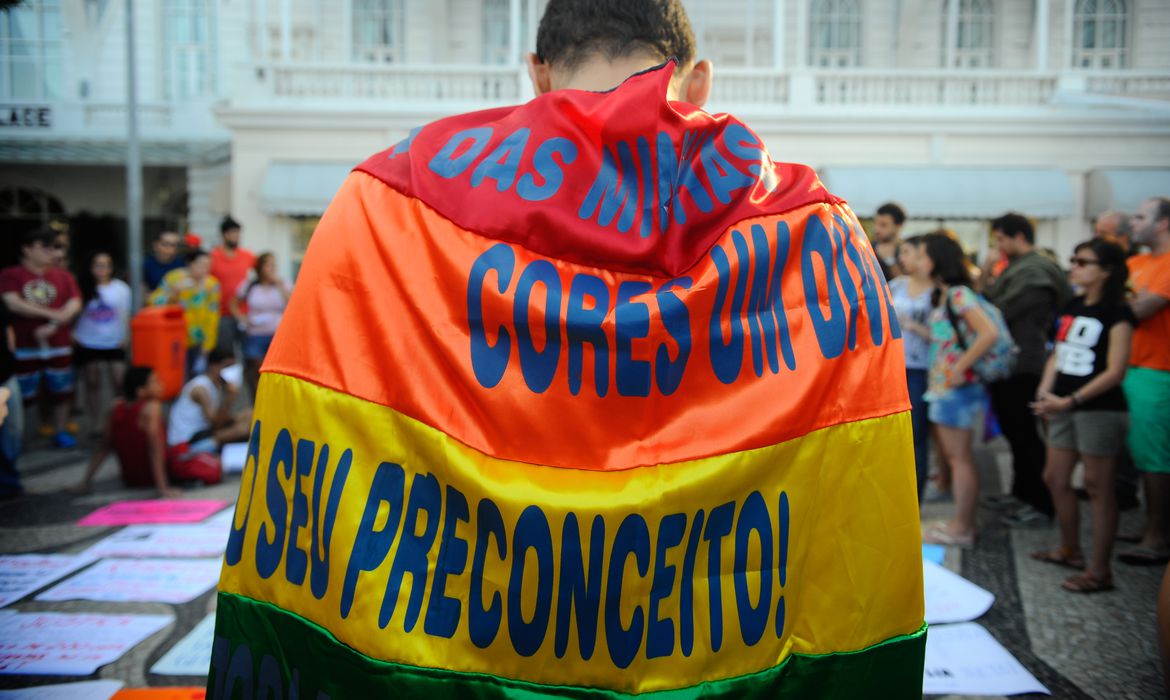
<point x="958" y="407"/>
<point x="256" y="346"/>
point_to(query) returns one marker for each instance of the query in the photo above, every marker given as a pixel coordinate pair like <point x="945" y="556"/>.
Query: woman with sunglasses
<point x="1080" y="396"/>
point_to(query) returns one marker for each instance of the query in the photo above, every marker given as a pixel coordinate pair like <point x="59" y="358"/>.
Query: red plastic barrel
<point x="159" y="340"/>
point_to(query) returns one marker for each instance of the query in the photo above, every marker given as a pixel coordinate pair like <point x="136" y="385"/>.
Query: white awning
<point x="955" y="193"/>
<point x="301" y="188"/>
<point x="1124" y="190"/>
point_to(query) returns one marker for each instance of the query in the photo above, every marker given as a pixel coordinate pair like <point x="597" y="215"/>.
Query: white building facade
<point x="958" y="109"/>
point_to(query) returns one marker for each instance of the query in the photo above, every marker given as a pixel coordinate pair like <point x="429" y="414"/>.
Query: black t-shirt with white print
<point x="1082" y="350"/>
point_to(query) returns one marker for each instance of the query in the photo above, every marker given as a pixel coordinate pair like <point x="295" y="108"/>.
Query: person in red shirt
<point x="44" y="299"/>
<point x="230" y="264"/>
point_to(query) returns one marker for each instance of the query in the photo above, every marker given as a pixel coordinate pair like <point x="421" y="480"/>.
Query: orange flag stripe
<point x="582" y="367"/>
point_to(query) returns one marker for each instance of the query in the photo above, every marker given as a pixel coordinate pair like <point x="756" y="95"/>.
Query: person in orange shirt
<point x="230" y="264"/>
<point x="1147" y="384"/>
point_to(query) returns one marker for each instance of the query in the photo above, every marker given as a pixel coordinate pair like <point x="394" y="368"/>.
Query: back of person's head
<point x="950" y="262"/>
<point x="134" y="380"/>
<point x="893" y="211"/>
<point x="1111" y="257"/>
<point x="219" y="356"/>
<point x="228" y="224"/>
<point x="572" y="31"/>
<point x="1015" y="225"/>
<point x="1162" y="208"/>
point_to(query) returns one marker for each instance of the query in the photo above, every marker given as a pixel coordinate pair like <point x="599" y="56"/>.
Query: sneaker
<point x="1002" y="501"/>
<point x="936" y="495"/>
<point x="1026" y="516"/>
<point x="73" y="428"/>
<point x="46" y="431"/>
<point x="64" y="440"/>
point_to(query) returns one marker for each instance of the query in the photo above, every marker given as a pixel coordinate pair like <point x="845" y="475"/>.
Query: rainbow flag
<point x="587" y="398"/>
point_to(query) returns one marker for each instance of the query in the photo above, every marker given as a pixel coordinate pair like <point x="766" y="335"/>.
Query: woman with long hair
<point x="101" y="332"/>
<point x="956" y="397"/>
<point x="1080" y="396"/>
<point x="264" y="296"/>
<point x="911" y="292"/>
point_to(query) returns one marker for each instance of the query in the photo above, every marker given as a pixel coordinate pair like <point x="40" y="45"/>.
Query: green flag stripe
<point x="261" y="649"/>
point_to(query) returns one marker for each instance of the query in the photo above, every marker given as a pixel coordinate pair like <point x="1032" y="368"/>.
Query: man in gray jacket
<point x="1029" y="293"/>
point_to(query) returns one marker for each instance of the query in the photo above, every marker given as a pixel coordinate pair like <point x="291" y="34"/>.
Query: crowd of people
<point x="1069" y="367"/>
<point x="57" y="327"/>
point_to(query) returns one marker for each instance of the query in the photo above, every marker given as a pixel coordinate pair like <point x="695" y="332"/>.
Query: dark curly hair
<point x="1112" y="259"/>
<point x="573" y="30"/>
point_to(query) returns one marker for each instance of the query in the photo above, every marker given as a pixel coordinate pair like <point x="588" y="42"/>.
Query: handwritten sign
<point x="950" y="597"/>
<point x="192" y="655"/>
<point x="85" y="690"/>
<point x="176" y="693"/>
<point x="965" y="659"/>
<point x="202" y="540"/>
<point x="139" y="580"/>
<point x="21" y="574"/>
<point x="70" y="644"/>
<point x="149" y="512"/>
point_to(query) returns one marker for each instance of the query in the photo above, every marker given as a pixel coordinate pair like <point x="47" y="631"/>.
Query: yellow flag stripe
<point x="413" y="548"/>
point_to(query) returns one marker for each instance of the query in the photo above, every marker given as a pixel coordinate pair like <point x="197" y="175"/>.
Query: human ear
<point x="538" y="73"/>
<point x="696" y="87"/>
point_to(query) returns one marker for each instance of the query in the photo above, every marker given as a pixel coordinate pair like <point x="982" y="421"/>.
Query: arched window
<point x="378" y="35"/>
<point x="974" y="34"/>
<point x="835" y="33"/>
<point x="496" y="25"/>
<point x="1099" y="34"/>
<point x="30" y="50"/>
<point x="187" y="49"/>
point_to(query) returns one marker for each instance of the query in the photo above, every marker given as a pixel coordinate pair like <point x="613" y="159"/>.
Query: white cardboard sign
<point x="965" y="659"/>
<point x="191" y="656"/>
<point x="139" y="580"/>
<point x="950" y="597"/>
<point x="21" y="574"/>
<point x="67" y="644"/>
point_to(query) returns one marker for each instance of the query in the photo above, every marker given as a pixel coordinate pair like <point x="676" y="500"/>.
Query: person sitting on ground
<point x="1080" y="395"/>
<point x="134" y="432"/>
<point x="202" y="420"/>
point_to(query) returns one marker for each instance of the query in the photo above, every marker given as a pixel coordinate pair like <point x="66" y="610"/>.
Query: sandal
<point x="1086" y="583"/>
<point x="1061" y="556"/>
<point x="937" y="533"/>
<point x="1144" y="556"/>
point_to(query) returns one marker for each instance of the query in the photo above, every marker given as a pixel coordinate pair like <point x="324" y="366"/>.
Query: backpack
<point x="999" y="361"/>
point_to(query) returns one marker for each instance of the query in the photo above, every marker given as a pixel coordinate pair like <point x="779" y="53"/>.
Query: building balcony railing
<point x="400" y="83"/>
<point x="933" y="89"/>
<point x="405" y="87"/>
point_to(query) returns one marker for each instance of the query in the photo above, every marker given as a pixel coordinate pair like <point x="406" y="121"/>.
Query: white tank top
<point x="187" y="417"/>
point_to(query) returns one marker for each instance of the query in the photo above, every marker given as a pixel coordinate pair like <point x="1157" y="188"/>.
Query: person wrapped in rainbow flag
<point x="586" y="397"/>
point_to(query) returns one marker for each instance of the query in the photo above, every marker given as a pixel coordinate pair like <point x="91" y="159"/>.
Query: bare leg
<point x="92" y="377"/>
<point x="956" y="445"/>
<point x="1157" y="534"/>
<point x="238" y="431"/>
<point x="1099" y="482"/>
<point x="252" y="377"/>
<point x="117" y="374"/>
<point x="943" y="479"/>
<point x="1058" y="476"/>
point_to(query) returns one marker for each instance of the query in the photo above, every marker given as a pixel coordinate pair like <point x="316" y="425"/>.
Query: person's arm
<point x="69" y="311"/>
<point x="156" y="449"/>
<point x="24" y="308"/>
<point x="218" y="416"/>
<point x="101" y="452"/>
<point x="1044" y="404"/>
<point x="985" y="336"/>
<point x="1115" y="365"/>
<point x="1144" y="305"/>
<point x="235" y="310"/>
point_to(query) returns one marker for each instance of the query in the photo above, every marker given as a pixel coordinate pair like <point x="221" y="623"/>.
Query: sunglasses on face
<point x="1083" y="262"/>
